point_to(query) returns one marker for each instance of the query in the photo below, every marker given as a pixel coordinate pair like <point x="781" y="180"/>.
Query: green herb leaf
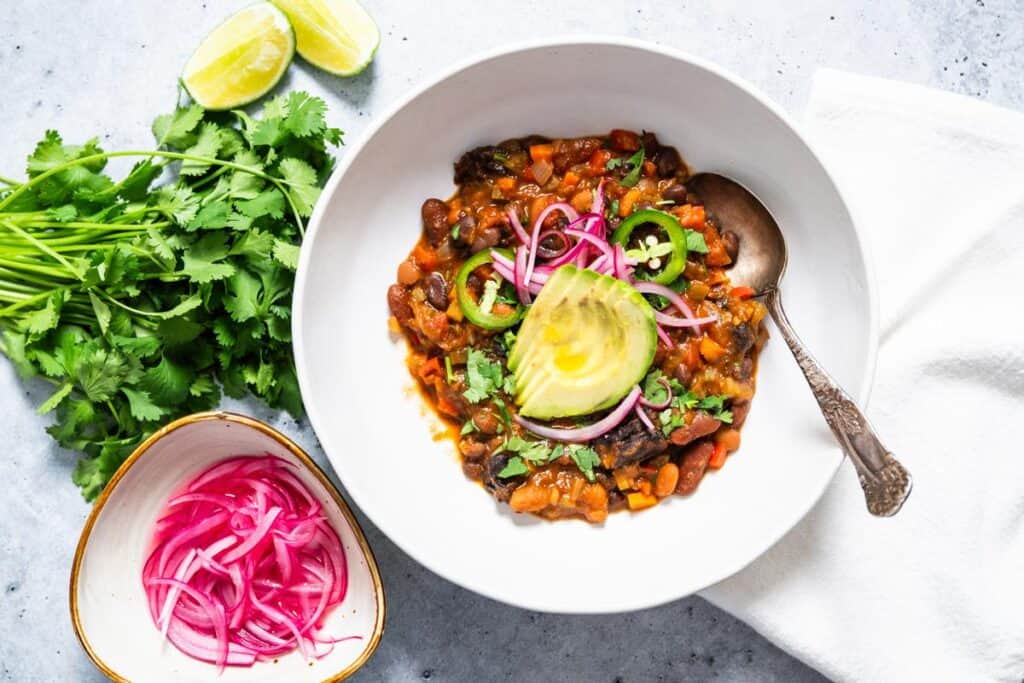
<point x="515" y="467"/>
<point x="484" y="376"/>
<point x="695" y="242"/>
<point x="636" y="165"/>
<point x="586" y="459"/>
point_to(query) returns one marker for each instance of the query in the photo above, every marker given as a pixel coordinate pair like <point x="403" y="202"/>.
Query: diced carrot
<point x="528" y="174"/>
<point x="717" y="255"/>
<point x="455" y="311"/>
<point x="429" y="369"/>
<point x="742" y="292"/>
<point x="691" y="216"/>
<point x="711" y="350"/>
<point x="425" y="257"/>
<point x="622" y="479"/>
<point x="569" y="181"/>
<point x="539" y="152"/>
<point x="729" y="438"/>
<point x="717" y="457"/>
<point x="649" y="168"/>
<point x="582" y="200"/>
<point x="599" y="160"/>
<point x="506" y="183"/>
<point x="640" y="501"/>
<point x="627" y="202"/>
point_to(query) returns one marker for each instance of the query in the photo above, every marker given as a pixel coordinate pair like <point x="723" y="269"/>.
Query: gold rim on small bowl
<point x="294" y="449"/>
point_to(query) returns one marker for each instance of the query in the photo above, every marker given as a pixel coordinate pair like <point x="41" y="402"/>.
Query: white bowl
<point x="108" y="606"/>
<point x="375" y="428"/>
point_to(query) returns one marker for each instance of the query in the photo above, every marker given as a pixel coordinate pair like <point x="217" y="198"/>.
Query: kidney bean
<point x="486" y="421"/>
<point x="486" y="238"/>
<point x="437" y="291"/>
<point x="692" y="465"/>
<point x="435" y="220"/>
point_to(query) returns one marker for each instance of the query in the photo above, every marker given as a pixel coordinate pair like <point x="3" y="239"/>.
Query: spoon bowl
<point x="760" y="265"/>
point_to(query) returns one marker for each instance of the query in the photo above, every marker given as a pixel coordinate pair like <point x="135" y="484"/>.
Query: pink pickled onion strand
<point x="538" y="224"/>
<point x="621" y="264"/>
<point x="663" y="336"/>
<point x="664" y="404"/>
<point x="595" y="241"/>
<point x="590" y="432"/>
<point x="670" y="294"/>
<point x="244" y="566"/>
<point x="642" y="414"/>
<point x="519" y="276"/>
<point x="591" y="223"/>
<point x="517" y="227"/>
<point x="598" y="263"/>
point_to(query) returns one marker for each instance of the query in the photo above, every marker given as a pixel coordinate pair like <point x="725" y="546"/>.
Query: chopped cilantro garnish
<point x="613" y="208"/>
<point x="513" y="468"/>
<point x="500" y="156"/>
<point x="586" y="459"/>
<point x="695" y="242"/>
<point x="537" y="452"/>
<point x="483" y="375"/>
<point x="614" y="163"/>
<point x="455" y="231"/>
<point x="507" y="340"/>
<point x="448" y="369"/>
<point x="636" y="164"/>
<point x="468" y="427"/>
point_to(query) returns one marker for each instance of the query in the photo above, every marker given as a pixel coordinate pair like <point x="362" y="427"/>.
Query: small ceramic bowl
<point x="108" y="605"/>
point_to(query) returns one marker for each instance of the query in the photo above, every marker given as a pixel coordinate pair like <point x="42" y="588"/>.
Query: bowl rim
<point x="313" y="227"/>
<point x="294" y="449"/>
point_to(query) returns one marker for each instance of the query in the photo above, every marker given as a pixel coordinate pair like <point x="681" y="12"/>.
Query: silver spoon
<point x="760" y="265"/>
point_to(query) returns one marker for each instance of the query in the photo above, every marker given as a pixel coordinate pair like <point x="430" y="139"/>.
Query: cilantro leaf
<point x="141" y="407"/>
<point x="586" y="459"/>
<point x="695" y="242"/>
<point x="515" y="467"/>
<point x="203" y="262"/>
<point x="636" y="164"/>
<point x="484" y="376"/>
<point x="174" y="128"/>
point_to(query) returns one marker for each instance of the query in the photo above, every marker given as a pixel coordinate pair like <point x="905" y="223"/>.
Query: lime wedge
<point x="241" y="59"/>
<point x="336" y="35"/>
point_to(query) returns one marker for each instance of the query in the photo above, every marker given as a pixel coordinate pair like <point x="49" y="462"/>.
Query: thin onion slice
<point x="590" y="432"/>
<point x="244" y="566"/>
<point x="663" y="381"/>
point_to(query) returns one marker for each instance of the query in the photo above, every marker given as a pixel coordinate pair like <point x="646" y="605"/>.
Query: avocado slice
<point x="584" y="343"/>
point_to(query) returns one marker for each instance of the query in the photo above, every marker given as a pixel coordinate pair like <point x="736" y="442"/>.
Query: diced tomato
<point x="628" y="201"/>
<point x="691" y="216"/>
<point x="649" y="168"/>
<point x="429" y="369"/>
<point x="743" y="292"/>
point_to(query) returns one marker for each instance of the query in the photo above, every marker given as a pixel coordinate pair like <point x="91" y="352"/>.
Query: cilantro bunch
<point x="141" y="301"/>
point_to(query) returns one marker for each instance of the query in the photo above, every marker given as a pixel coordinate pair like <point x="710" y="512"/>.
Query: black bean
<point x="437" y="291"/>
<point x="486" y="238"/>
<point x="435" y="220"/>
<point x="675" y="193"/>
<point x="667" y="161"/>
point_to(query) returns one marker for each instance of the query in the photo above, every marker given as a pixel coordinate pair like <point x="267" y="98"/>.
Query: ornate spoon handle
<point x="885" y="482"/>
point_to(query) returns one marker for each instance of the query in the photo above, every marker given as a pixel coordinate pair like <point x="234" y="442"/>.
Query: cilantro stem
<point x="42" y="246"/>
<point x="8" y="181"/>
<point x="36" y="268"/>
<point x="100" y="227"/>
<point x="279" y="184"/>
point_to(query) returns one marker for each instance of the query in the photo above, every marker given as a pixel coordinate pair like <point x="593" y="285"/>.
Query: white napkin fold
<point x="936" y="593"/>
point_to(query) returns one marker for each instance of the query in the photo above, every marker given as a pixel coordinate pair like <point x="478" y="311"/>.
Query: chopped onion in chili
<point x="244" y="566"/>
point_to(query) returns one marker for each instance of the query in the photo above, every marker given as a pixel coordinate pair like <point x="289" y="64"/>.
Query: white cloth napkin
<point x="936" y="593"/>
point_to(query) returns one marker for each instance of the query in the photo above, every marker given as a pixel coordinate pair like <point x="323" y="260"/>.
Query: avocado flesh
<point x="584" y="343"/>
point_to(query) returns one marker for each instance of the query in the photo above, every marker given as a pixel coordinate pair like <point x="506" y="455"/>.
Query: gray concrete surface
<point x="89" y="67"/>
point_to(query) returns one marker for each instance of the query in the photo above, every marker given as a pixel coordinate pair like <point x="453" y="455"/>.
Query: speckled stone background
<point x="106" y="67"/>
